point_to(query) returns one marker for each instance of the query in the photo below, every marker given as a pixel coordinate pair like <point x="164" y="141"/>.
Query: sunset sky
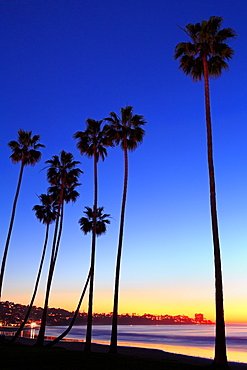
<point x="65" y="61"/>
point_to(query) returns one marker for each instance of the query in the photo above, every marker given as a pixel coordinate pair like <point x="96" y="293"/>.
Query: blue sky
<point x="63" y="62"/>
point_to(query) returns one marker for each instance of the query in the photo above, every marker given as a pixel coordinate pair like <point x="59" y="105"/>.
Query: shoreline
<point x="136" y="351"/>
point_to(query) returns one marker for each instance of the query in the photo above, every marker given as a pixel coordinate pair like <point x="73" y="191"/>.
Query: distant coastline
<point x="12" y="314"/>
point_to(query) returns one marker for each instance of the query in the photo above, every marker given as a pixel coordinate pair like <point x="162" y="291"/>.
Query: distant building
<point x="199" y="317"/>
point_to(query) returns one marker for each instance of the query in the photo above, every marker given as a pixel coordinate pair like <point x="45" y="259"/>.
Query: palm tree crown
<point x="26" y="148"/>
<point x="207" y="41"/>
<point x="47" y="211"/>
<point x="94" y="140"/>
<point x="62" y="171"/>
<point x="126" y="130"/>
<point x="70" y="194"/>
<point x="86" y="223"/>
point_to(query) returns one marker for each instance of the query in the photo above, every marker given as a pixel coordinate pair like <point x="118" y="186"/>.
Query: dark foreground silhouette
<point x="67" y="355"/>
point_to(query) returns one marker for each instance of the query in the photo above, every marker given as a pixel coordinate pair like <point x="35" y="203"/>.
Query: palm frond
<point x="13" y="144"/>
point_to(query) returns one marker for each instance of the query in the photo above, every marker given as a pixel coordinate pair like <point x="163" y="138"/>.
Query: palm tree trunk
<point x="87" y="347"/>
<point x="59" y="233"/>
<point x="41" y="335"/>
<point x="113" y="344"/>
<point x="35" y="287"/>
<point x="10" y="227"/>
<point x="59" y="221"/>
<point x="220" y="341"/>
<point x="61" y="336"/>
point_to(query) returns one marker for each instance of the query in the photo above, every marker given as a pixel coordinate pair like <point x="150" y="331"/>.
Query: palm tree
<point x="63" y="176"/>
<point x="61" y="336"/>
<point x="92" y="143"/>
<point x="127" y="131"/>
<point x="24" y="150"/>
<point x="206" y="55"/>
<point x="86" y="224"/>
<point x="45" y="213"/>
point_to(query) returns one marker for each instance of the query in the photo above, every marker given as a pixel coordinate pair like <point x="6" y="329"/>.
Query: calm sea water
<point x="194" y="340"/>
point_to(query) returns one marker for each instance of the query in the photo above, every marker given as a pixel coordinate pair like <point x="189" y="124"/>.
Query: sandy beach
<point x="136" y="351"/>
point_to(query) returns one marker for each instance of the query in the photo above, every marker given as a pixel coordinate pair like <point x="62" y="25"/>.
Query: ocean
<point x="194" y="340"/>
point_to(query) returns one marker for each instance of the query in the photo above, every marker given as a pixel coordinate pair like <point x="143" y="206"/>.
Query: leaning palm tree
<point x="24" y="150"/>
<point x="45" y="213"/>
<point x="205" y="56"/>
<point x="92" y="143"/>
<point x="61" y="336"/>
<point x="86" y="224"/>
<point x="127" y="131"/>
<point x="63" y="176"/>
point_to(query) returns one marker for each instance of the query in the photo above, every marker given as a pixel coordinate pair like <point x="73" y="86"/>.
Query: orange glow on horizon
<point x="146" y="302"/>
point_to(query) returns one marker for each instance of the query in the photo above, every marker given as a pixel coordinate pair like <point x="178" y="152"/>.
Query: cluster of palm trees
<point x="63" y="177"/>
<point x="205" y="55"/>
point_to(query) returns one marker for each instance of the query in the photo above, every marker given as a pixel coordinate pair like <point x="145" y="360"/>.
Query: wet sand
<point x="136" y="351"/>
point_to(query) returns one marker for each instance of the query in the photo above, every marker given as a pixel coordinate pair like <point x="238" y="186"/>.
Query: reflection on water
<point x="193" y="340"/>
<point x="26" y="333"/>
<point x="31" y="333"/>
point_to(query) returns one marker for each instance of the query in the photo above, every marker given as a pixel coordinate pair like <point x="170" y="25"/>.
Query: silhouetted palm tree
<point x="206" y="55"/>
<point x="127" y="131"/>
<point x="63" y="176"/>
<point x="61" y="336"/>
<point x="45" y="213"/>
<point x="24" y="150"/>
<point x="86" y="224"/>
<point x="92" y="143"/>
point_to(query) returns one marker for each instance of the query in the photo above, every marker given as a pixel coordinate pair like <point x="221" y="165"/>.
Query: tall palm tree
<point x="86" y="224"/>
<point x="63" y="176"/>
<point x="45" y="213"/>
<point x="24" y="150"/>
<point x="206" y="55"/>
<point x="93" y="142"/>
<point x="127" y="131"/>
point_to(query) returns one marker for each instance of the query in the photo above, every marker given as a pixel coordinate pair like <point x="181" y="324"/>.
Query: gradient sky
<point x="65" y="61"/>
